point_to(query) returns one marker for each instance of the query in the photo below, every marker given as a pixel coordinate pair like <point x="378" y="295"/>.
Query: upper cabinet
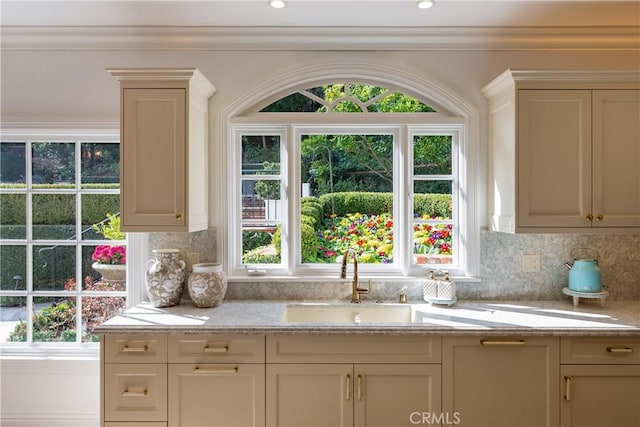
<point x="164" y="156"/>
<point x="565" y="151"/>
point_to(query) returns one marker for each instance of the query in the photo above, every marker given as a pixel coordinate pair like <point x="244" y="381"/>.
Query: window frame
<point x="48" y="133"/>
<point x="404" y="127"/>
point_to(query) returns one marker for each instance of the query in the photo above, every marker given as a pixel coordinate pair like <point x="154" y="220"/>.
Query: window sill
<point x="49" y="351"/>
<point x="326" y="279"/>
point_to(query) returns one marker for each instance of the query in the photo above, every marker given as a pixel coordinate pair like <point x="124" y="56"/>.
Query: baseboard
<point x="49" y="420"/>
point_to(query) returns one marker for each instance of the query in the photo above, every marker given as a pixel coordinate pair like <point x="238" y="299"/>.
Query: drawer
<point x="135" y="392"/>
<point x="353" y="349"/>
<point x="135" y="348"/>
<point x="207" y="348"/>
<point x="600" y="350"/>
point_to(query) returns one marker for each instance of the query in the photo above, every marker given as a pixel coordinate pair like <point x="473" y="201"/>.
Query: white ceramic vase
<point x="165" y="277"/>
<point x="207" y="285"/>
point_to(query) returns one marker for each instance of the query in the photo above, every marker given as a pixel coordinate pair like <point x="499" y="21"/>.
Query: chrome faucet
<point x="356" y="291"/>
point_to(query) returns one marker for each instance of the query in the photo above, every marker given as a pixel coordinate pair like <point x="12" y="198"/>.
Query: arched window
<point x="328" y="166"/>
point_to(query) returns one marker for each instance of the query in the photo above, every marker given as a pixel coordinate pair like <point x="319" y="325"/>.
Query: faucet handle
<point x="364" y="290"/>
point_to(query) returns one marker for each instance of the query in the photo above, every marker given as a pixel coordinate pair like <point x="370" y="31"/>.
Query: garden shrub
<point x="309" y="245"/>
<point x="311" y="211"/>
<point x="252" y="239"/>
<point x="356" y="201"/>
<point x="433" y="205"/>
<point x="305" y="219"/>
<point x="56" y="322"/>
<point x="276" y="240"/>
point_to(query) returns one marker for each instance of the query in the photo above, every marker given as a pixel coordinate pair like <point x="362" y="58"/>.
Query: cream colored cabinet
<point x="216" y="380"/>
<point x="164" y="155"/>
<point x="134" y="380"/>
<point x="309" y="395"/>
<point x="178" y="380"/>
<point x="565" y="150"/>
<point x="601" y="382"/>
<point x="357" y="388"/>
<point x="216" y="395"/>
<point x="493" y="382"/>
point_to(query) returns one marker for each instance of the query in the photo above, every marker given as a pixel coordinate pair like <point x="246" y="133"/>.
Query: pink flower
<point x="105" y="254"/>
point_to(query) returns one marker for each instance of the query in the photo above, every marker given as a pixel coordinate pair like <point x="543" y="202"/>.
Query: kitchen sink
<point x="351" y="313"/>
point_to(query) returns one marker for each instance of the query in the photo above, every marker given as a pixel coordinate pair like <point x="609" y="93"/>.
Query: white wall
<point x="73" y="87"/>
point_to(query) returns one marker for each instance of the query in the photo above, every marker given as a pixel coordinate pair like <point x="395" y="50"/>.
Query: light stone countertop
<point x="498" y="318"/>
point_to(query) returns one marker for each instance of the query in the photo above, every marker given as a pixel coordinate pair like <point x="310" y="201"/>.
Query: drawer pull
<point x="619" y="350"/>
<point x="348" y="385"/>
<point x="567" y="394"/>
<point x="128" y="393"/>
<point x="198" y="370"/>
<point x="218" y="350"/>
<point x="127" y="349"/>
<point x="503" y="343"/>
<point x="359" y="381"/>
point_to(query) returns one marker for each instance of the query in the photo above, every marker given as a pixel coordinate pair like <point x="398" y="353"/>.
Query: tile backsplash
<point x="501" y="269"/>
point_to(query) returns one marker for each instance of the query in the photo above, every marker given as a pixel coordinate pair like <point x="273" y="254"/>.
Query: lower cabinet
<point x="601" y="382"/>
<point x="342" y="395"/>
<point x="216" y="395"/>
<point x="493" y="382"/>
<point x="217" y="380"/>
<point x="344" y="381"/>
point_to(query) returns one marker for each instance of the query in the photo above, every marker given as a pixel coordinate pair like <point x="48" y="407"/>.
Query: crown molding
<point x="322" y="38"/>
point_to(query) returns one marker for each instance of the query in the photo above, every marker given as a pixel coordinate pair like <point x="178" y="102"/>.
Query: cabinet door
<point x="601" y="395"/>
<point x="216" y="395"/>
<point x="501" y="382"/>
<point x="306" y="395"/>
<point x="397" y="395"/>
<point x="554" y="158"/>
<point x="153" y="158"/>
<point x="616" y="156"/>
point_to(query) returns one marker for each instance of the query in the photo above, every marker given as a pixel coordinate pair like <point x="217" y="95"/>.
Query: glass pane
<point x="365" y="92"/>
<point x="99" y="277"/>
<point x="53" y="164"/>
<point x="399" y="103"/>
<point x="346" y="107"/>
<point x="12" y="321"/>
<point x="261" y="199"/>
<point x="13" y="164"/>
<point x="13" y="216"/>
<point x="54" y="216"/>
<point x="432" y="155"/>
<point x="96" y="310"/>
<point x="54" y="319"/>
<point x="54" y="267"/>
<point x="100" y="165"/>
<point x="348" y="197"/>
<point x="294" y="103"/>
<point x="260" y="155"/>
<point x="13" y="267"/>
<point x="95" y="211"/>
<point x="261" y="244"/>
<point x="432" y="199"/>
<point x="433" y="243"/>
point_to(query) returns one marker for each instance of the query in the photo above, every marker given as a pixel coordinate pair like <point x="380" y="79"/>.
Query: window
<point x="59" y="206"/>
<point x="346" y="165"/>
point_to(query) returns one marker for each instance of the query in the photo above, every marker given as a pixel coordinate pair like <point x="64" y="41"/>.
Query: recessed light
<point x="277" y="4"/>
<point x="425" y="4"/>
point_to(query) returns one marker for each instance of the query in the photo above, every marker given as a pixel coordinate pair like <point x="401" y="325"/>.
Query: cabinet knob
<point x="590" y="217"/>
<point x="599" y="217"/>
<point x="178" y="216"/>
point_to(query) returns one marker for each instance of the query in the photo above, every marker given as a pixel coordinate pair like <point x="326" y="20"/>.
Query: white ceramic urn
<point x="207" y="285"/>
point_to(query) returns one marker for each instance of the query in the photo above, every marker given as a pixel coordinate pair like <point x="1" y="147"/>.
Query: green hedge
<point x="434" y="205"/>
<point x="55" y="209"/>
